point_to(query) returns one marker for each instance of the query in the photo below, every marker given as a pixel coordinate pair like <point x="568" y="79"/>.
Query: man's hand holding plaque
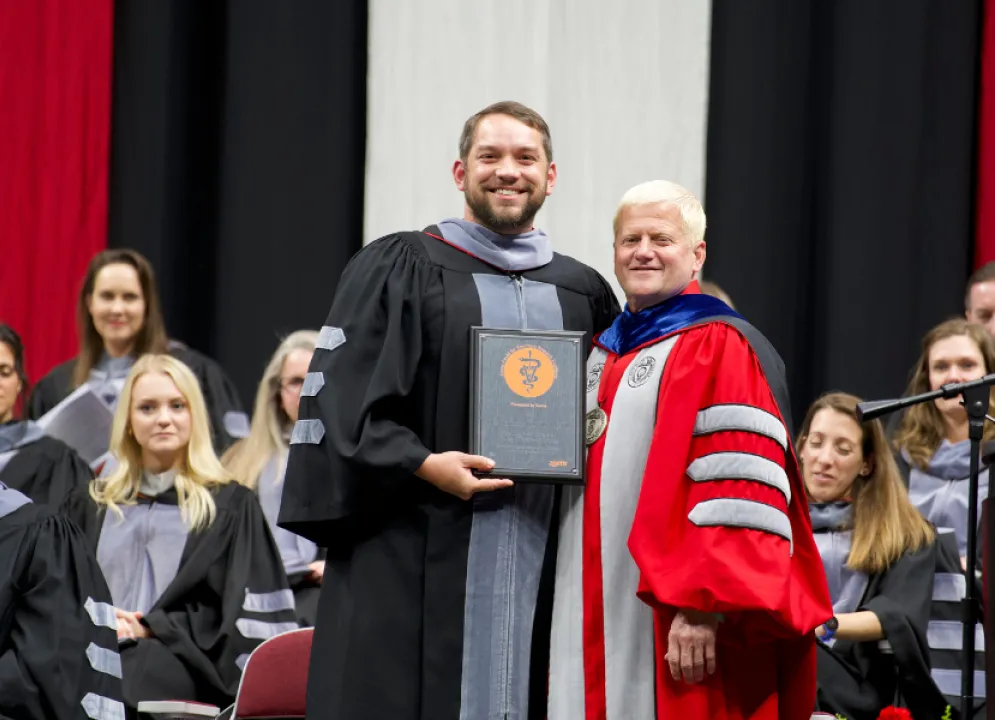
<point x="452" y="472"/>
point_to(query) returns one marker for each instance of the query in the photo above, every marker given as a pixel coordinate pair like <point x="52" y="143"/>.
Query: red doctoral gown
<point x="693" y="499"/>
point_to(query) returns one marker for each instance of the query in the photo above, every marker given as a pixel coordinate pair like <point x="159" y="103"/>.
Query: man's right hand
<point x="450" y="472"/>
<point x="691" y="646"/>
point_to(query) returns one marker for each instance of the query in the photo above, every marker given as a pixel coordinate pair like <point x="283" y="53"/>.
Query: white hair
<point x="667" y="193"/>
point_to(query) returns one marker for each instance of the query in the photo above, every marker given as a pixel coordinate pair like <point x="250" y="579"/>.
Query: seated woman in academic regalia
<point x="932" y="441"/>
<point x="193" y="570"/>
<point x="58" y="650"/>
<point x="879" y="557"/>
<point x="41" y="467"/>
<point x="260" y="461"/>
<point x="934" y="457"/>
<point x="118" y="318"/>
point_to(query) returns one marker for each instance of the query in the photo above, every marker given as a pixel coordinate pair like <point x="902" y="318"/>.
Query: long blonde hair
<point x="270" y="424"/>
<point x="885" y="523"/>
<point x="201" y="470"/>
<point x="922" y="429"/>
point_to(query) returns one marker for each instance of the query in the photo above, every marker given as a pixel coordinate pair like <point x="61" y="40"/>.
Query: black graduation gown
<point x="857" y="680"/>
<point x="46" y="470"/>
<point x="389" y="641"/>
<point x="54" y="610"/>
<point x="946" y="615"/>
<point x="946" y="610"/>
<point x="230" y="580"/>
<point x="219" y="391"/>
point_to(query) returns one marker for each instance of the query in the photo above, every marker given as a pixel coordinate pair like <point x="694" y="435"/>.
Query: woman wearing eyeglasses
<point x="260" y="461"/>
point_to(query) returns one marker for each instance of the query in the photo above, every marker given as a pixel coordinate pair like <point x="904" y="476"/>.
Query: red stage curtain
<point x="984" y="247"/>
<point x="55" y="104"/>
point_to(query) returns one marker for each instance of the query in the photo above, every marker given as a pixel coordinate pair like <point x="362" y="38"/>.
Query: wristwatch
<point x="831" y="625"/>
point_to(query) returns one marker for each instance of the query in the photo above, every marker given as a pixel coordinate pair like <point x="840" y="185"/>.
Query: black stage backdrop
<point x="840" y="179"/>
<point x="238" y="146"/>
<point x="839" y="174"/>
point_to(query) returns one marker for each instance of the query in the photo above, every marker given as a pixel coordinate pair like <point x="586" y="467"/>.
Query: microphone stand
<point x="976" y="394"/>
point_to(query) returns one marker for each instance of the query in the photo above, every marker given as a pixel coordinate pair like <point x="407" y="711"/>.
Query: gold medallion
<point x="597" y="421"/>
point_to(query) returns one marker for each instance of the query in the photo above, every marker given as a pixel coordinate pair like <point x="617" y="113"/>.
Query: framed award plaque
<point x="527" y="403"/>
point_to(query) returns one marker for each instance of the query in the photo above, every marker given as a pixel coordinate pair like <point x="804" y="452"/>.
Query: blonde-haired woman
<point x="879" y="555"/>
<point x="260" y="461"/>
<point x="193" y="571"/>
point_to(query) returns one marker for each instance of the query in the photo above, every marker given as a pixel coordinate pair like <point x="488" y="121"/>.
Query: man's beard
<point x="511" y="219"/>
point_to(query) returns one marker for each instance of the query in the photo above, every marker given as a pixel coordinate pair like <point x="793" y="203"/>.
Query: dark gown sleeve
<point x="604" y="305"/>
<point x="80" y="508"/>
<point x="906" y="591"/>
<point x="354" y="440"/>
<point x="902" y="605"/>
<point x="242" y="598"/>
<point x="69" y="472"/>
<point x="224" y="407"/>
<point x="47" y="471"/>
<point x="902" y="608"/>
<point x="51" y="390"/>
<point x="61" y="654"/>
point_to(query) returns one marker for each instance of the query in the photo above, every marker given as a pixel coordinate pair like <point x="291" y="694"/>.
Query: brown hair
<point x="985" y="273"/>
<point x="523" y="114"/>
<point x="922" y="429"/>
<point x="10" y="338"/>
<point x="151" y="338"/>
<point x="885" y="523"/>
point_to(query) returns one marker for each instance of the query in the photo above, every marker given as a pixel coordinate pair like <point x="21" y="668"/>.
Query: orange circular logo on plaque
<point x="529" y="371"/>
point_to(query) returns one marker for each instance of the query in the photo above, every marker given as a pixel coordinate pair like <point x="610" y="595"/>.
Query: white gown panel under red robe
<point x="693" y="500"/>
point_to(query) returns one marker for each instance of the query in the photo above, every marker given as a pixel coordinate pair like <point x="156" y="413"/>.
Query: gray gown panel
<point x="140" y="553"/>
<point x="295" y="551"/>
<point x="14" y="436"/>
<point x="107" y="378"/>
<point x="831" y="527"/>
<point x="941" y="491"/>
<point x="11" y="500"/>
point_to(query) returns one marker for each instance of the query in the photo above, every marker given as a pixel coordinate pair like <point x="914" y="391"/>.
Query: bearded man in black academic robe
<point x="436" y="598"/>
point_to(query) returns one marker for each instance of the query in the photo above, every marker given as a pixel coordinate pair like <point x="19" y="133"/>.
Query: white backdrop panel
<point x="623" y="86"/>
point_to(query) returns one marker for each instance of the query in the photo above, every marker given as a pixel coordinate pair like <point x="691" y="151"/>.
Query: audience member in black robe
<point x="41" y="467"/>
<point x="436" y="581"/>
<point x="260" y="461"/>
<point x="118" y="318"/>
<point x="879" y="555"/>
<point x="193" y="571"/>
<point x="58" y="650"/>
